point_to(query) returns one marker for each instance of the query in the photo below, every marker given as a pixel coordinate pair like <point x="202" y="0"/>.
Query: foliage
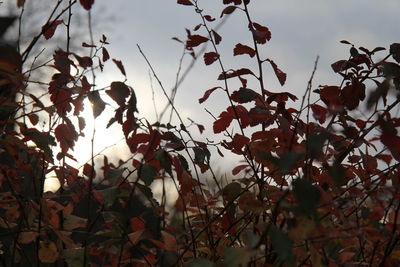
<point x="320" y="190"/>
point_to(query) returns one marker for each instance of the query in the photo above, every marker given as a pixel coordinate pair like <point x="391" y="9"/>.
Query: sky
<point x="301" y="31"/>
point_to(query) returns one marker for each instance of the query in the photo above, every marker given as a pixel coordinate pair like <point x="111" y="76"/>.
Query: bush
<point x="317" y="185"/>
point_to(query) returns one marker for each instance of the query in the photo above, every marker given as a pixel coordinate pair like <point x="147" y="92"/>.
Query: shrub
<point x="317" y="185"/>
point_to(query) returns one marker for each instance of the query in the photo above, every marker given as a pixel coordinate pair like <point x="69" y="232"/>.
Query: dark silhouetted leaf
<point x="208" y="93"/>
<point x="49" y="29"/>
<point x="120" y="66"/>
<point x="87" y="4"/>
<point x="352" y="95"/>
<point x="260" y="33"/>
<point x="319" y="113"/>
<point x="106" y="56"/>
<point x="282" y="244"/>
<point x="210" y="57"/>
<point x="98" y="105"/>
<point x="243" y="49"/>
<point x="225" y="119"/>
<point x="243" y="95"/>
<point x="195" y="40"/>
<point x="279" y="74"/>
<point x="231" y="191"/>
<point x="228" y="10"/>
<point x="307" y="195"/>
<point x="119" y="91"/>
<point x="74" y="256"/>
<point x="147" y="173"/>
<point x="217" y="37"/>
<point x="395" y="51"/>
<point x="185" y="2"/>
<point x="66" y="136"/>
<point x="337" y="172"/>
<point x="234" y="73"/>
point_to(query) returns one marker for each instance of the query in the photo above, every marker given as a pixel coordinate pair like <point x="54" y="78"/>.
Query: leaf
<point x="319" y="113"/>
<point x="234" y="73"/>
<point x="282" y="244"/>
<point x="42" y="140"/>
<point x="147" y="173"/>
<point x="49" y="28"/>
<point x="106" y="56"/>
<point x="337" y="172"/>
<point x="74" y="256"/>
<point x="84" y="62"/>
<point x="195" y="40"/>
<point x="20" y="3"/>
<point x="135" y="237"/>
<point x="244" y="95"/>
<point x="98" y="105"/>
<point x="201" y="155"/>
<point x="279" y="74"/>
<point x="228" y="10"/>
<point x="260" y="33"/>
<point x="27" y="237"/>
<point x="87" y="4"/>
<point x="119" y="91"/>
<point x="185" y="2"/>
<point x="225" y="119"/>
<point x="307" y="195"/>
<point x="209" y="18"/>
<point x="66" y="136"/>
<point x="120" y="66"/>
<point x="239" y="168"/>
<point x="165" y="162"/>
<point x="208" y="93"/>
<point x="169" y="241"/>
<point x="217" y="37"/>
<point x="48" y="252"/>
<point x="72" y="222"/>
<point x="89" y="171"/>
<point x="239" y="141"/>
<point x="109" y="195"/>
<point x="236" y="257"/>
<point x="137" y="224"/>
<point x="231" y="191"/>
<point x="210" y="57"/>
<point x="243" y="49"/>
<point x="395" y="51"/>
<point x="200" y="262"/>
<point x="352" y="95"/>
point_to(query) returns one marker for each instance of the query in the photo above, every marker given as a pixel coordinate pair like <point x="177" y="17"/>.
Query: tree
<point x="316" y="186"/>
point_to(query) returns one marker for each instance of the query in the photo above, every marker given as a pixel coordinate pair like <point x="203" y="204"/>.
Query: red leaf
<point x="185" y="2"/>
<point x="234" y="73"/>
<point x="195" y="40"/>
<point x="118" y="92"/>
<point x="84" y="62"/>
<point x="228" y="10"/>
<point x="89" y="171"/>
<point x="88" y="45"/>
<point x="210" y="57"/>
<point x="319" y="113"/>
<point x="239" y="168"/>
<point x="137" y="224"/>
<point x="87" y="4"/>
<point x="49" y="28"/>
<point x="207" y="94"/>
<point x="352" y="95"/>
<point x="330" y="95"/>
<point x="279" y="74"/>
<point x="260" y="33"/>
<point x="243" y="49"/>
<point x="61" y="98"/>
<point x="120" y="66"/>
<point x="385" y="157"/>
<point x="66" y="136"/>
<point x="239" y="141"/>
<point x="217" y="37"/>
<point x="225" y="119"/>
<point x="106" y="56"/>
<point x="85" y="85"/>
<point x="200" y="127"/>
